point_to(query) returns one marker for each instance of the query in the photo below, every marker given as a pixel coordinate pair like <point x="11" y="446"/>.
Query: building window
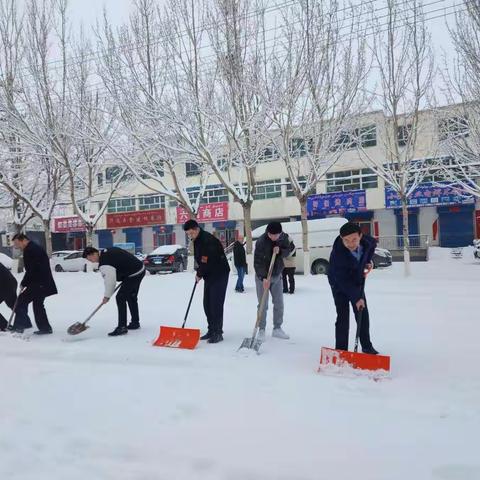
<point x="299" y="147"/>
<point x="453" y="127"/>
<point x="351" y="180"/>
<point x="212" y="194"/>
<point x="192" y="169"/>
<point x="112" y="174"/>
<point x="268" y="154"/>
<point x="365" y="136"/>
<point x="301" y="180"/>
<point x="151" y="202"/>
<point x="268" y="189"/>
<point x="118" y="205"/>
<point x="100" y="179"/>
<point x="403" y="134"/>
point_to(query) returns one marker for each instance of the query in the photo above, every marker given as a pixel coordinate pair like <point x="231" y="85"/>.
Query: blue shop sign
<point x="336" y="203"/>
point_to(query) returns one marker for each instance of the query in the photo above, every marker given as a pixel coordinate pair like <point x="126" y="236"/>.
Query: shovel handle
<point x="189" y="303"/>
<point x="15" y="307"/>
<point x="359" y="319"/>
<point x="99" y="307"/>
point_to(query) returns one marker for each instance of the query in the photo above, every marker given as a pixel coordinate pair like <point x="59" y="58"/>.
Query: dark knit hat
<point x="89" y="251"/>
<point x="189" y="224"/>
<point x="350" y="228"/>
<point x="274" y="228"/>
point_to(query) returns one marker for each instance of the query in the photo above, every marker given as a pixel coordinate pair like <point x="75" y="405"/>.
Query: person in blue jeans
<point x="240" y="262"/>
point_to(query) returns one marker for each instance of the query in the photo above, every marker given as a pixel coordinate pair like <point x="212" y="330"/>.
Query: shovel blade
<point x="252" y="343"/>
<point x="77" y="328"/>
<point x="361" y="361"/>
<point x="177" y="337"/>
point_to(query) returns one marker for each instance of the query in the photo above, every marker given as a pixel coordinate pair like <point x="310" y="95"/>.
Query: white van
<point x="321" y="235"/>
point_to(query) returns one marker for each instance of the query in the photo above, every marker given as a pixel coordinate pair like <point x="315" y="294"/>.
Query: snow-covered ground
<point x="99" y="408"/>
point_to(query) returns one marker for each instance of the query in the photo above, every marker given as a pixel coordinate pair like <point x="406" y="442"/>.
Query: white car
<point x="6" y="261"/>
<point x="69" y="261"/>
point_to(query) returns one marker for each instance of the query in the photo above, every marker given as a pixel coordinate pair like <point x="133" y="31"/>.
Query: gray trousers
<point x="276" y="291"/>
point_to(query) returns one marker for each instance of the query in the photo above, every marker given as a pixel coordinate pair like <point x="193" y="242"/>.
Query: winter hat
<point x="189" y="225"/>
<point x="274" y="228"/>
<point x="89" y="251"/>
<point x="350" y="228"/>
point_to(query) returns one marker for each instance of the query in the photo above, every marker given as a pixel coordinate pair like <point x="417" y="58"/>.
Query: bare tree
<point x="404" y="62"/>
<point x="320" y="73"/>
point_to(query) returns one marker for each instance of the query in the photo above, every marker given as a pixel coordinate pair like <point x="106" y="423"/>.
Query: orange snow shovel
<point x="175" y="337"/>
<point x="362" y="361"/>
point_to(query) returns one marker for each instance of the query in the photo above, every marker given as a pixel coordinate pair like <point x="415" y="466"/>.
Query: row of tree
<point x="222" y="85"/>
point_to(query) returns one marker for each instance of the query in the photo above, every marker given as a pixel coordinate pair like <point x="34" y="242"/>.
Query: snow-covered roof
<point x="166" y="249"/>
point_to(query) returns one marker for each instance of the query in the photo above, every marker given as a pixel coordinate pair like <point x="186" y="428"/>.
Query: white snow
<point x="166" y="250"/>
<point x="6" y="260"/>
<point x="99" y="408"/>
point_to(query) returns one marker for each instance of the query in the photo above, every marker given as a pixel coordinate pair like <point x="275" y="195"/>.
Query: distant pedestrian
<point x="240" y="262"/>
<point x="288" y="274"/>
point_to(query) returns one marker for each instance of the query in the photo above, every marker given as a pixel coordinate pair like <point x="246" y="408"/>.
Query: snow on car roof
<point x="6" y="260"/>
<point x="166" y="249"/>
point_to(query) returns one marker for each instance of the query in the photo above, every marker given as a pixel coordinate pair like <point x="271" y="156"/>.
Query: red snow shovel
<point x="355" y="360"/>
<point x="175" y="337"/>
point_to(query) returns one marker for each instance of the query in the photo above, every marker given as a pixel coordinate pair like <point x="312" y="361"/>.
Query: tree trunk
<point x="406" y="239"/>
<point x="247" y="222"/>
<point x="89" y="235"/>
<point x="48" y="237"/>
<point x="306" y="251"/>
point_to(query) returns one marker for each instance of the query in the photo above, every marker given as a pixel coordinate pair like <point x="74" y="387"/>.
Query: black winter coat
<point x="345" y="273"/>
<point x="8" y="283"/>
<point x="263" y="254"/>
<point x="239" y="256"/>
<point x="38" y="274"/>
<point x="209" y="256"/>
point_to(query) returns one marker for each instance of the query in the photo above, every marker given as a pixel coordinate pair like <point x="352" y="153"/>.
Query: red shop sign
<point x="68" y="224"/>
<point x="136" y="219"/>
<point x="210" y="212"/>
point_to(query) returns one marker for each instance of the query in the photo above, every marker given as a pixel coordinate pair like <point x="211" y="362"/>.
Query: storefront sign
<point x="336" y="203"/>
<point x="136" y="219"/>
<point x="68" y="224"/>
<point x="429" y="195"/>
<point x="210" y="212"/>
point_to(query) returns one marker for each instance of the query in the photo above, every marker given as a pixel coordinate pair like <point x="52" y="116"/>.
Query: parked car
<point x="167" y="258"/>
<point x="69" y="261"/>
<point x="6" y="261"/>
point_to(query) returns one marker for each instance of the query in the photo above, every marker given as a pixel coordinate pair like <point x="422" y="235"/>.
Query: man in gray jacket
<point x="272" y="241"/>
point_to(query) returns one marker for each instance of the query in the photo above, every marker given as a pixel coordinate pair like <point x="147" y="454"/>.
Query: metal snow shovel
<point x="10" y="320"/>
<point x="355" y="360"/>
<point x="175" y="337"/>
<point x="253" y="342"/>
<point x="80" y="327"/>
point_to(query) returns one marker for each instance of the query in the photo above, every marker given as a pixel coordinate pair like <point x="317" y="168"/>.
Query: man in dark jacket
<point x="272" y="241"/>
<point x="37" y="284"/>
<point x="212" y="266"/>
<point x="118" y="265"/>
<point x="240" y="262"/>
<point x="350" y="262"/>
<point x="8" y="292"/>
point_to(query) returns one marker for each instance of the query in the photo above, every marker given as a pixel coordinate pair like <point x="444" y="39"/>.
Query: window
<point x="112" y="174"/>
<point x="100" y="179"/>
<point x="268" y="189"/>
<point x="151" y="202"/>
<point x="269" y="154"/>
<point x="118" y="205"/>
<point x="299" y="147"/>
<point x="453" y="127"/>
<point x="351" y="180"/>
<point x="367" y="136"/>
<point x="301" y="180"/>
<point x="212" y="194"/>
<point x="403" y="134"/>
<point x="192" y="169"/>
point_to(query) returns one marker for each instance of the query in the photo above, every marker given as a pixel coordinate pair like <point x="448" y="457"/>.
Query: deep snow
<point x="99" y="408"/>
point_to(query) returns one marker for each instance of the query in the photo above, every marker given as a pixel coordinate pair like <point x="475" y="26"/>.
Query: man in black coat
<point x="8" y="292"/>
<point x="350" y="262"/>
<point x="240" y="262"/>
<point x="212" y="267"/>
<point x="118" y="265"/>
<point x="37" y="284"/>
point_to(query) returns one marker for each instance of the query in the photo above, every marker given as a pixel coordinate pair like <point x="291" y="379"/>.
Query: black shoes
<point x="118" y="331"/>
<point x="215" y="338"/>
<point x="133" y="326"/>
<point x="370" y="350"/>
<point x="47" y="331"/>
<point x="206" y="336"/>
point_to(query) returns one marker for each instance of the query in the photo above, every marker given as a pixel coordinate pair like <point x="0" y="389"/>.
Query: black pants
<point x="290" y="273"/>
<point x="213" y="300"/>
<point x="342" y="324"/>
<point x="10" y="301"/>
<point x="34" y="296"/>
<point x="128" y="294"/>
